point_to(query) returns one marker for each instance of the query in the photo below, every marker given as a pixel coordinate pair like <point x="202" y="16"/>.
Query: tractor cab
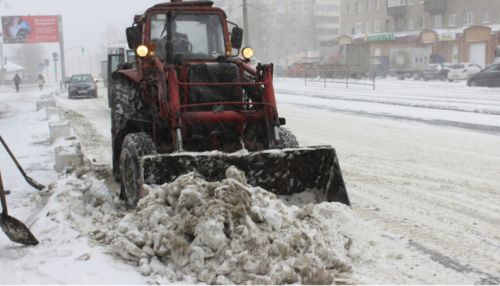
<point x="184" y="31"/>
<point x="191" y="36"/>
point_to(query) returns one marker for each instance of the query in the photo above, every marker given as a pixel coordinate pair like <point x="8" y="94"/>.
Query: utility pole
<point x="2" y="72"/>
<point x="61" y="50"/>
<point x="245" y="24"/>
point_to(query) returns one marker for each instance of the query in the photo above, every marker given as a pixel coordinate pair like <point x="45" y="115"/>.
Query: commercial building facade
<point x="455" y="30"/>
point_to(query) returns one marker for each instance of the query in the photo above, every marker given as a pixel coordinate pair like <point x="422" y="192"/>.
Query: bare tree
<point x="30" y="56"/>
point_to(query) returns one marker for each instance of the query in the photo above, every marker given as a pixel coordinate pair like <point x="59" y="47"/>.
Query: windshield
<point x="81" y="78"/>
<point x="194" y="36"/>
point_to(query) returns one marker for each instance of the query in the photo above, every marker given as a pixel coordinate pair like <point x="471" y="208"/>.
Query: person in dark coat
<point x="17" y="81"/>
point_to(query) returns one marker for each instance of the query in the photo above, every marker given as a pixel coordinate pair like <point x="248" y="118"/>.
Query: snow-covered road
<point x="436" y="188"/>
<point x="420" y="160"/>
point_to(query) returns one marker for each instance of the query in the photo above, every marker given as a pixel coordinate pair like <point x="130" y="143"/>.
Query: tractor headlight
<point x="247" y="53"/>
<point x="142" y="51"/>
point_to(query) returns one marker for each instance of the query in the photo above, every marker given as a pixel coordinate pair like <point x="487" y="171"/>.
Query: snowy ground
<point x="420" y="160"/>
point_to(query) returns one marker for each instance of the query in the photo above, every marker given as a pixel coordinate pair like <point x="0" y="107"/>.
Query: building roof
<point x="12" y="67"/>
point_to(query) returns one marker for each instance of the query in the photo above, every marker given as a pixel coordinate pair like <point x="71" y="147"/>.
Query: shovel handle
<point x="2" y="197"/>
<point x="30" y="181"/>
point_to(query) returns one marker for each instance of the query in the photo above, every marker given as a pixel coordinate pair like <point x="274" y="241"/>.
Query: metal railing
<point x="346" y="78"/>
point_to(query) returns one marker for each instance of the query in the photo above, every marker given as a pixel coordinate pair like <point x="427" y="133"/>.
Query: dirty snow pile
<point x="229" y="233"/>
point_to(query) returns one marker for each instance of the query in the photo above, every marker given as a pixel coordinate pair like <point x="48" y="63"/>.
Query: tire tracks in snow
<point x="436" y="122"/>
<point x="405" y="104"/>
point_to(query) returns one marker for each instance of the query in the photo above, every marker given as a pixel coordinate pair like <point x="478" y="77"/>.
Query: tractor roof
<point x="180" y="3"/>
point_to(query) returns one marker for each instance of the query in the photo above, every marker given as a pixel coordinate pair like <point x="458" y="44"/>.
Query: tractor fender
<point x="131" y="74"/>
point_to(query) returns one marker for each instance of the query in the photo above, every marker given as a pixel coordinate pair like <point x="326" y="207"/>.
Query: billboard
<point x="30" y="29"/>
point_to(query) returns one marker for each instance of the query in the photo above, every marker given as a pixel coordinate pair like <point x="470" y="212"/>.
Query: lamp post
<point x="55" y="58"/>
<point x="82" y="51"/>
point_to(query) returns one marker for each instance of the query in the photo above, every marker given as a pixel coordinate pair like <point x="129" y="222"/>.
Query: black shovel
<point x="13" y="228"/>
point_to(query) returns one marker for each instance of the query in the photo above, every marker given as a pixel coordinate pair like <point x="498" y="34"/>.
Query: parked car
<point x="434" y="72"/>
<point x="489" y="77"/>
<point x="462" y="71"/>
<point x="82" y="85"/>
<point x="301" y="70"/>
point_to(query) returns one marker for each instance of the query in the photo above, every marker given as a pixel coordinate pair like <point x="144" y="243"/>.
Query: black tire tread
<point x="137" y="145"/>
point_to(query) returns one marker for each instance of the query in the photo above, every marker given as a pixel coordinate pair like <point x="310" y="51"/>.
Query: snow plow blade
<point x="283" y="172"/>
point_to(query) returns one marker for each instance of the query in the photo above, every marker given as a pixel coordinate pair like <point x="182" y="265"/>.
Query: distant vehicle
<point x="462" y="71"/>
<point x="380" y="67"/>
<point x="409" y="62"/>
<point x="497" y="55"/>
<point x="434" y="72"/>
<point x="82" y="85"/>
<point x="351" y="60"/>
<point x="489" y="77"/>
<point x="301" y="70"/>
<point x="279" y="70"/>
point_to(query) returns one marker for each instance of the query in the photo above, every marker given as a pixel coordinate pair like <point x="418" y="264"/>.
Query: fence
<point x="343" y="77"/>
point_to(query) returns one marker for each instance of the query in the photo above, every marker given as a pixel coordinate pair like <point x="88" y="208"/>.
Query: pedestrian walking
<point x="41" y="81"/>
<point x="17" y="81"/>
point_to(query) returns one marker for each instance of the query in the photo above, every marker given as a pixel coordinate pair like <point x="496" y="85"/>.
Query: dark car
<point x="435" y="72"/>
<point x="82" y="85"/>
<point x="489" y="77"/>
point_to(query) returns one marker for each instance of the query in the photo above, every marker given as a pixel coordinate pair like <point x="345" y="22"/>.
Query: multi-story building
<point x="456" y="30"/>
<point x="286" y="31"/>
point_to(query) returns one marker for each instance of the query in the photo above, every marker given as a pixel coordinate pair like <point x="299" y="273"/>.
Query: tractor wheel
<point x="126" y="104"/>
<point x="288" y="140"/>
<point x="135" y="146"/>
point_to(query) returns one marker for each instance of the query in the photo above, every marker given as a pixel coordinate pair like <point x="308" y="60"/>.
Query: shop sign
<point x="447" y="37"/>
<point x="428" y="38"/>
<point x="381" y="37"/>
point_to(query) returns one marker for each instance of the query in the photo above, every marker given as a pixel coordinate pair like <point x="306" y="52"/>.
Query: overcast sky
<point x="84" y="22"/>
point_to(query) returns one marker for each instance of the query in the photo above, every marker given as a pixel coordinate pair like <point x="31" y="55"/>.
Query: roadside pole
<point x="61" y="52"/>
<point x="245" y="24"/>
<point x="2" y="71"/>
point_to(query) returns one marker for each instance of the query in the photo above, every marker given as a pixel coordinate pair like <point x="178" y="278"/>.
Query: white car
<point x="462" y="71"/>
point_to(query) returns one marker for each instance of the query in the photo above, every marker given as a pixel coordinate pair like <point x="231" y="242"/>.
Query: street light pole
<point x="245" y="24"/>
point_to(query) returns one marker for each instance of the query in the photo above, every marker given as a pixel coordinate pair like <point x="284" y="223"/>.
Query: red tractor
<point x="190" y="93"/>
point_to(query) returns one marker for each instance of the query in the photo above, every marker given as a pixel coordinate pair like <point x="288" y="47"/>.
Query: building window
<point x="438" y="21"/>
<point x="486" y="16"/>
<point x="468" y="18"/>
<point x="348" y="8"/>
<point x="411" y="2"/>
<point x="359" y="28"/>
<point x="395" y="3"/>
<point x="376" y="26"/>
<point x="411" y="24"/>
<point x="359" y="7"/>
<point x="422" y="22"/>
<point x="349" y="30"/>
<point x="368" y="27"/>
<point x="453" y="20"/>
<point x="377" y="5"/>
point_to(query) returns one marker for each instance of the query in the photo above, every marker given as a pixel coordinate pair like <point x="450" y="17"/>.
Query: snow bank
<point x="229" y="233"/>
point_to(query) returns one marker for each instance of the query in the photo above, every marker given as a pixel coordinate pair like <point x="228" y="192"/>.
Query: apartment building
<point x="286" y="31"/>
<point x="456" y="30"/>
